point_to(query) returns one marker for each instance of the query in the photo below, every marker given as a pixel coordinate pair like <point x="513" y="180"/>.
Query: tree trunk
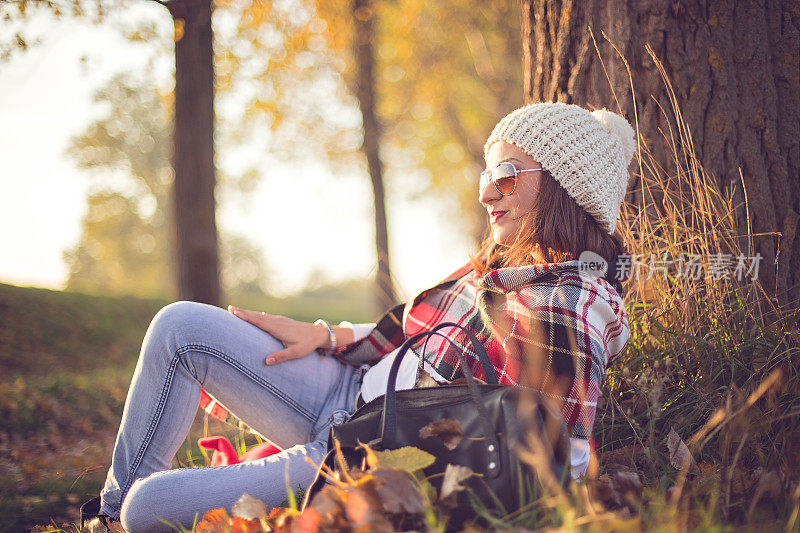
<point x="363" y="20"/>
<point x="734" y="68"/>
<point x="197" y="258"/>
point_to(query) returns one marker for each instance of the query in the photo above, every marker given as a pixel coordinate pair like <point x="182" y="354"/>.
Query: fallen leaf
<point x="357" y="507"/>
<point x="625" y="456"/>
<point x="213" y="521"/>
<point x="308" y="522"/>
<point x="425" y="380"/>
<point x="705" y="468"/>
<point x="679" y="455"/>
<point x="363" y="510"/>
<point x="407" y="458"/>
<point x="325" y="503"/>
<point x="95" y="525"/>
<point x="249" y="508"/>
<point x="769" y="484"/>
<point x="612" y="489"/>
<point x="279" y="516"/>
<point x="453" y="476"/>
<point x="448" y="430"/>
<point x="398" y="491"/>
<point x="242" y="525"/>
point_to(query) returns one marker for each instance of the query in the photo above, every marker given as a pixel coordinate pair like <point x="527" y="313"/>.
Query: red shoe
<point x="224" y="453"/>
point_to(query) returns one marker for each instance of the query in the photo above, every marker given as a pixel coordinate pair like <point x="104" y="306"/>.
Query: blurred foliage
<point x="127" y="238"/>
<point x="19" y="38"/>
<point x="446" y="72"/>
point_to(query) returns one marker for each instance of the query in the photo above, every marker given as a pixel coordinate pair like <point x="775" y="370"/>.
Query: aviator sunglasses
<point x="504" y="177"/>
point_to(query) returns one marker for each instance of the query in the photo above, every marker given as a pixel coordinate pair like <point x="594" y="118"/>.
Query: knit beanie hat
<point x="587" y="152"/>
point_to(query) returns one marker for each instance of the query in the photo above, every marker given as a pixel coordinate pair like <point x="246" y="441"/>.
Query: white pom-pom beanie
<point x="587" y="152"/>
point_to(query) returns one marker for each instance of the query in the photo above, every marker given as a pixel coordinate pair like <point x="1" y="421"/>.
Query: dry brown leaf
<point x="95" y="525"/>
<point x="371" y="458"/>
<point x="213" y="521"/>
<point x="242" y="525"/>
<point x="612" y="489"/>
<point x="625" y="456"/>
<point x="308" y="522"/>
<point x="363" y="510"/>
<point x="279" y="517"/>
<point x="679" y="455"/>
<point x="448" y="430"/>
<point x="425" y="380"/>
<point x="325" y="503"/>
<point x="453" y="476"/>
<point x="249" y="507"/>
<point x="705" y="468"/>
<point x="357" y="507"/>
<point x="398" y="491"/>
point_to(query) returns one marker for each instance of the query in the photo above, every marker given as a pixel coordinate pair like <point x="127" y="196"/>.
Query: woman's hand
<point x="299" y="338"/>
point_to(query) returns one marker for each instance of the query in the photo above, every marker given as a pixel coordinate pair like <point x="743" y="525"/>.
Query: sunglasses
<point x="504" y="177"/>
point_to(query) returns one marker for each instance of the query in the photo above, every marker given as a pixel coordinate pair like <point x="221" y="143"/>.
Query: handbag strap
<point x="388" y="437"/>
<point x="486" y="363"/>
<point x="488" y="369"/>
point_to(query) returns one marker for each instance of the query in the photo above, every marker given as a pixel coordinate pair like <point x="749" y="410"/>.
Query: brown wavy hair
<point x="556" y="229"/>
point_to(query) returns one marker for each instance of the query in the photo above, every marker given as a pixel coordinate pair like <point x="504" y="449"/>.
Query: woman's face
<point x="506" y="212"/>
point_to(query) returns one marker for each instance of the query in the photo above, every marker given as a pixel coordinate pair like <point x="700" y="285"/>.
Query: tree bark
<point x="195" y="177"/>
<point x="735" y="71"/>
<point x="363" y="20"/>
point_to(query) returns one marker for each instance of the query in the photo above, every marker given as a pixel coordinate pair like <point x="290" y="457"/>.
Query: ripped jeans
<point x="293" y="404"/>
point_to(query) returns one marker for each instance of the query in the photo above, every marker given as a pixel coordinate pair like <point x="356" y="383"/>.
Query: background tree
<point x="195" y="175"/>
<point x="735" y="72"/>
<point x="127" y="237"/>
<point x="193" y="138"/>
<point x="364" y="89"/>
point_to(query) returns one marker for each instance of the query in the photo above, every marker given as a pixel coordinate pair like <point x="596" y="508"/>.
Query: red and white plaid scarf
<point x="544" y="326"/>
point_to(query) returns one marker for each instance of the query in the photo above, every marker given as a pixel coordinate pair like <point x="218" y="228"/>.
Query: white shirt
<point x="377" y="377"/>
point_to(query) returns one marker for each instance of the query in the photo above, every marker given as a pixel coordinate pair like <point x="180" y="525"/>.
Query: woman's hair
<point x="556" y="229"/>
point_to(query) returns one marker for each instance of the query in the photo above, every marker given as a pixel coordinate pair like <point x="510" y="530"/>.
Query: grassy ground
<point x="66" y="361"/>
<point x="65" y="365"/>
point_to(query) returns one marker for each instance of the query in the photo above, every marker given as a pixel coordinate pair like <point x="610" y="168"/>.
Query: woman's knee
<point x="180" y="322"/>
<point x="144" y="507"/>
<point x="177" y="315"/>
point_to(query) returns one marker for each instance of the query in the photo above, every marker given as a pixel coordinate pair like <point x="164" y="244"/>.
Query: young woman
<point x="555" y="177"/>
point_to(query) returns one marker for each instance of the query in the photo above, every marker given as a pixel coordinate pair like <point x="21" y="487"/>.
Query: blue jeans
<point x="293" y="404"/>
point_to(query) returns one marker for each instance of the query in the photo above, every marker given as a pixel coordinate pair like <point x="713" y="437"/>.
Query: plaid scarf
<point x="544" y="326"/>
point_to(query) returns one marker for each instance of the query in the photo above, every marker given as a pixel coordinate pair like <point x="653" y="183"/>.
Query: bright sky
<point x="324" y="226"/>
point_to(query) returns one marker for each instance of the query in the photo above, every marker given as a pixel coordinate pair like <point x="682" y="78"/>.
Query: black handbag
<point x="492" y="425"/>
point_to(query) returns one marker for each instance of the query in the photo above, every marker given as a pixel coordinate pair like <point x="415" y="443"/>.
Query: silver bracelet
<point x="331" y="334"/>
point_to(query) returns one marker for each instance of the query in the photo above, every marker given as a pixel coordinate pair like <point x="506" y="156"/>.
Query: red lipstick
<point x="494" y="216"/>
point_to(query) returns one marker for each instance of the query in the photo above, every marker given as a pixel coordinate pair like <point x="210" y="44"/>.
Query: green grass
<point x="42" y="330"/>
